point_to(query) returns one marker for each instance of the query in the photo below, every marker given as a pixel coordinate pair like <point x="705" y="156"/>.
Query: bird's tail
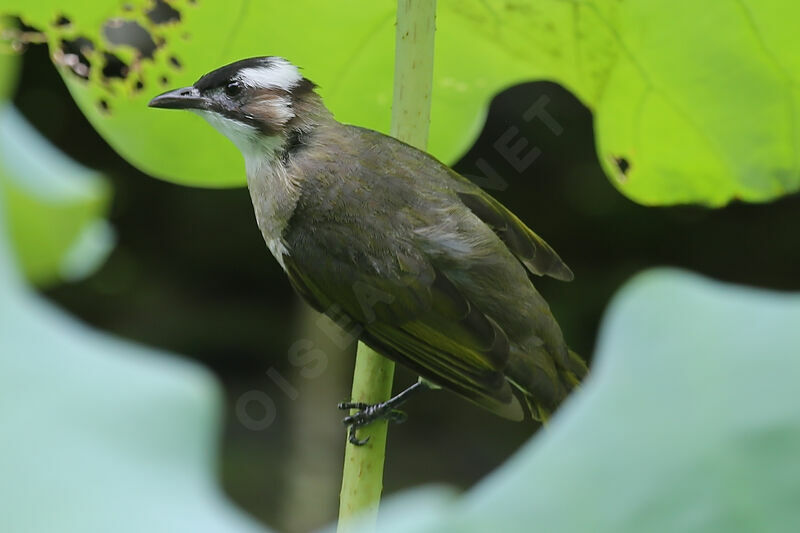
<point x="542" y="401"/>
<point x="574" y="370"/>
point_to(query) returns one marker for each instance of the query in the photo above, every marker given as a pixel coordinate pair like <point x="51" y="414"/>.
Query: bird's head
<point x="254" y="102"/>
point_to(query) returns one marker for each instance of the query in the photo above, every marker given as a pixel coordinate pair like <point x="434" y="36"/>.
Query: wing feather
<point x="443" y="337"/>
<point x="537" y="256"/>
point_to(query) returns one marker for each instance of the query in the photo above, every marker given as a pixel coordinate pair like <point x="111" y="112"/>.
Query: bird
<point x="434" y="270"/>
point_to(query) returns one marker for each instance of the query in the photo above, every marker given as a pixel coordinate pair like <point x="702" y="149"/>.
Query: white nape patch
<point x="280" y="74"/>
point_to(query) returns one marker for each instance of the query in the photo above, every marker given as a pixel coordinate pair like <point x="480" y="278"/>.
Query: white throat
<point x="274" y="195"/>
<point x="273" y="192"/>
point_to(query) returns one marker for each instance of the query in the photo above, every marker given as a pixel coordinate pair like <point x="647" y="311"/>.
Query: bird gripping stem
<point x="362" y="478"/>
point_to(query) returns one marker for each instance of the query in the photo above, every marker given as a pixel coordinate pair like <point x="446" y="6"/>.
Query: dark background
<point x="190" y="273"/>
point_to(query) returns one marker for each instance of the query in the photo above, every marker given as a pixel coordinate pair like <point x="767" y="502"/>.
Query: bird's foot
<point x="367" y="414"/>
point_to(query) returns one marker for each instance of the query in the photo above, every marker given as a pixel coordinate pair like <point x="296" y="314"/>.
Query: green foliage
<point x="55" y="208"/>
<point x="693" y="102"/>
<point x="105" y="435"/>
<point x="101" y="434"/>
<point x="701" y="101"/>
<point x="688" y="420"/>
<point x="9" y="67"/>
<point x="688" y="423"/>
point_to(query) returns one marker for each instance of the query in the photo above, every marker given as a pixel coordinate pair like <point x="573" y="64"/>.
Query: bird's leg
<point x="368" y="413"/>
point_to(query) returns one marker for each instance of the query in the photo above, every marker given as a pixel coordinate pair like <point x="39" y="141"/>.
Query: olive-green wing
<point x="427" y="173"/>
<point x="537" y="256"/>
<point x="423" y="322"/>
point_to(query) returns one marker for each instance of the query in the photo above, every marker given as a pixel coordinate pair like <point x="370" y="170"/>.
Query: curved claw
<point x="367" y="413"/>
<point x="352" y="438"/>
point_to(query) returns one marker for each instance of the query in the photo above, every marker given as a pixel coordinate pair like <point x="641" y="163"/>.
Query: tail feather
<point x="576" y="366"/>
<point x="529" y="379"/>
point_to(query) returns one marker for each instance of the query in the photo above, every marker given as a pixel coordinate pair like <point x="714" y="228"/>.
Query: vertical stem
<point x="362" y="478"/>
<point x="413" y="71"/>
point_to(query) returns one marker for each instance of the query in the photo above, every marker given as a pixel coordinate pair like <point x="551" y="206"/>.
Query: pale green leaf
<point x="688" y="422"/>
<point x="55" y="208"/>
<point x="100" y="434"/>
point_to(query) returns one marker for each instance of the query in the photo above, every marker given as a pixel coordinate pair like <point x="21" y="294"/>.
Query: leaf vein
<point x="716" y="150"/>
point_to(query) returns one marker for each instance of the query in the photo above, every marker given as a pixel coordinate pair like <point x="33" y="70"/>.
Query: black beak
<point x="184" y="98"/>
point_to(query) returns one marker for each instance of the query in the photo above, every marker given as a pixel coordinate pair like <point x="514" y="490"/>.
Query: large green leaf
<point x="55" y="208"/>
<point x="702" y="101"/>
<point x="693" y="101"/>
<point x="9" y="69"/>
<point x="99" y="434"/>
<point x="688" y="422"/>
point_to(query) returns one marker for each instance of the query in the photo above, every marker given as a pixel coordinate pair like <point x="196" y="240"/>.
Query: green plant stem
<point x="413" y="71"/>
<point x="362" y="477"/>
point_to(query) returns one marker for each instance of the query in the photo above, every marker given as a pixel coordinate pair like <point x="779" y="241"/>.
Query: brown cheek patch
<point x="270" y="107"/>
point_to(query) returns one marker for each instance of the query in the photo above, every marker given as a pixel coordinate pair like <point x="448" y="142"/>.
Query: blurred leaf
<point x="689" y="422"/>
<point x="99" y="434"/>
<point x="693" y="101"/>
<point x="9" y="73"/>
<point x="55" y="207"/>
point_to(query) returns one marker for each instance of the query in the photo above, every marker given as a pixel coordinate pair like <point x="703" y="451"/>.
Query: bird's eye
<point x="233" y="88"/>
